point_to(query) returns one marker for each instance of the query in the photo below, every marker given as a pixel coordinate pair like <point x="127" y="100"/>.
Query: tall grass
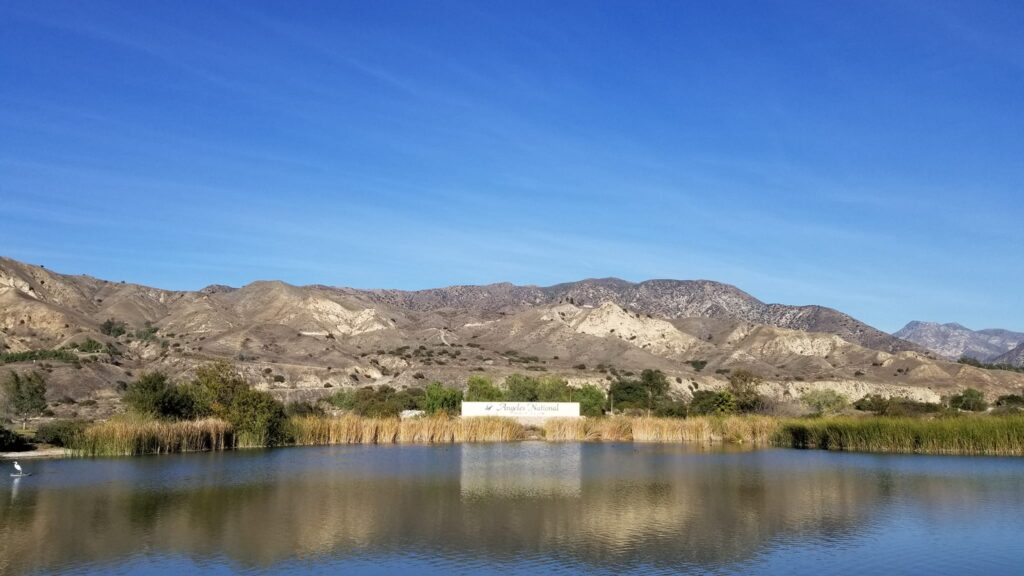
<point x="756" y="430"/>
<point x="983" y="435"/>
<point x="988" y="435"/>
<point x="135" y="436"/>
<point x="313" y="430"/>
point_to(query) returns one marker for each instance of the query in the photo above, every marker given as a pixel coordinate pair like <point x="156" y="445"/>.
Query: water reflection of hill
<point x="607" y="505"/>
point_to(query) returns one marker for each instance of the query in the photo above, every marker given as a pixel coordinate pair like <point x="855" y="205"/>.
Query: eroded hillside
<point x="90" y="336"/>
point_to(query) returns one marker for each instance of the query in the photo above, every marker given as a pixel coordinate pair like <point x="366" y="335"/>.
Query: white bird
<point x="17" y="467"/>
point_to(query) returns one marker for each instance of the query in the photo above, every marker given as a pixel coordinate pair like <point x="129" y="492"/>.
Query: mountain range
<point x="302" y="342"/>
<point x="954" y="341"/>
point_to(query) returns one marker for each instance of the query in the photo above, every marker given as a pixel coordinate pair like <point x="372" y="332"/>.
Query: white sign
<point x="531" y="410"/>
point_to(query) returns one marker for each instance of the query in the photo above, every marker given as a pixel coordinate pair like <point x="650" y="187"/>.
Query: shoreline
<point x="39" y="453"/>
<point x="966" y="435"/>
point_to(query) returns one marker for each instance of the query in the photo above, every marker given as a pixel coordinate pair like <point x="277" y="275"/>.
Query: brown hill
<point x="663" y="298"/>
<point x="302" y="342"/>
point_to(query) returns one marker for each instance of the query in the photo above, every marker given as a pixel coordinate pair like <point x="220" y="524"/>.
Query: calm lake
<point x="515" y="508"/>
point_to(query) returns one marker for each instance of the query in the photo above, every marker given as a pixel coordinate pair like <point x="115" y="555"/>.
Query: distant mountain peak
<point x="217" y="289"/>
<point x="953" y="340"/>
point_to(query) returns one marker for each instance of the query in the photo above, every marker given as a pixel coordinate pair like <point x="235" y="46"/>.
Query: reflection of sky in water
<point x="516" y="508"/>
<point x="529" y="469"/>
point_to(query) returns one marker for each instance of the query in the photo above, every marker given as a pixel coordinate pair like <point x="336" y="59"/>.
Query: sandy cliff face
<point x="610" y="321"/>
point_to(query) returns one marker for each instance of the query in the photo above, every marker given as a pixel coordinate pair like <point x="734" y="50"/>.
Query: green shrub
<point x="639" y="394"/>
<point x="441" y="399"/>
<point x="519" y="388"/>
<point x="375" y="403"/>
<point x="154" y="395"/>
<point x="302" y="409"/>
<point x="214" y="388"/>
<point x="708" y="402"/>
<point x="89" y="346"/>
<point x="698" y="365"/>
<point x="12" y="441"/>
<point x="1010" y="401"/>
<point x="481" y="389"/>
<point x="113" y="328"/>
<point x="24" y="396"/>
<point x="257" y="418"/>
<point x="824" y="401"/>
<point x="970" y="399"/>
<point x="382" y="402"/>
<point x="39" y="355"/>
<point x="743" y="385"/>
<point x="895" y="406"/>
<point x="669" y="408"/>
<point x="146" y="334"/>
<point x="551" y="389"/>
<point x="60" y="432"/>
<point x="591" y="399"/>
<point x="342" y="399"/>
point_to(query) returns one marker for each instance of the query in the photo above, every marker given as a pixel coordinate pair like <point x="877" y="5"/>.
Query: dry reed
<point x="312" y="430"/>
<point x="992" y="435"/>
<point x="757" y="430"/>
<point x="128" y="436"/>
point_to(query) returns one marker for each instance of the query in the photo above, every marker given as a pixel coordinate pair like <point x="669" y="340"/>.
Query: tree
<point x="645" y="393"/>
<point x="671" y="408"/>
<point x="214" y="388"/>
<point x="25" y="395"/>
<point x="144" y="394"/>
<point x="655" y="385"/>
<point x="481" y="389"/>
<point x="743" y="385"/>
<point x="519" y="388"/>
<point x="382" y="402"/>
<point x="970" y="399"/>
<point x="553" y="390"/>
<point x="258" y="419"/>
<point x="1010" y="401"/>
<point x="709" y="402"/>
<point x="625" y="394"/>
<point x="591" y="399"/>
<point x="442" y="399"/>
<point x="153" y="394"/>
<point x="824" y="401"/>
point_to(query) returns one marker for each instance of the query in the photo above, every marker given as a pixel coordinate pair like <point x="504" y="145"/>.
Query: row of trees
<point x="385" y="401"/>
<point x="520" y="388"/>
<point x="648" y="394"/>
<point x="218" y="391"/>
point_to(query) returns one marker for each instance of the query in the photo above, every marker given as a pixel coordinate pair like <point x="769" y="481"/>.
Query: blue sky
<point x="867" y="156"/>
